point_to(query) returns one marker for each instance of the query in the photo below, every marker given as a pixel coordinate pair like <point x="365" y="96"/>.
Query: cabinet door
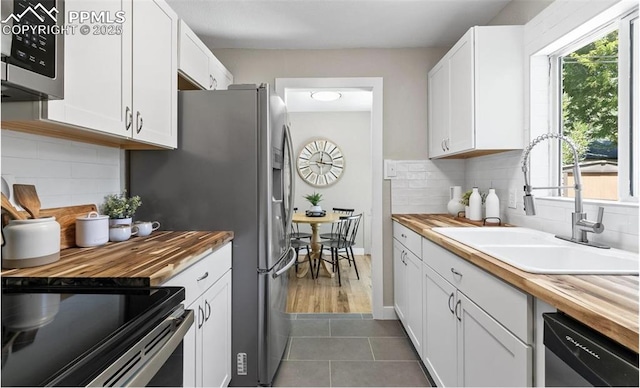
<point x="438" y="108"/>
<point x="216" y="335"/>
<point x="440" y="354"/>
<point x="488" y="354"/>
<point x="155" y="65"/>
<point x="413" y="297"/>
<point x="399" y="287"/>
<point x="219" y="77"/>
<point x="97" y="79"/>
<point x="193" y="57"/>
<point x="461" y="65"/>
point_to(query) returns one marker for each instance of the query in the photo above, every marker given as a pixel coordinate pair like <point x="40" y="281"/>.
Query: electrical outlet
<point x="512" y="198"/>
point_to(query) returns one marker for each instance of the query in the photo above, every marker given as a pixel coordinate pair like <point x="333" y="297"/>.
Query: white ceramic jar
<point x="92" y="230"/>
<point x="31" y="242"/>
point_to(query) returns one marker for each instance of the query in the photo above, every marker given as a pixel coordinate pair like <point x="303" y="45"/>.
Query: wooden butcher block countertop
<point x="606" y="303"/>
<point x="139" y="261"/>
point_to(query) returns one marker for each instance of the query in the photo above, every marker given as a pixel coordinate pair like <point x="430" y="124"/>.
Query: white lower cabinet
<point x="463" y="344"/>
<point x="213" y="335"/>
<point x="488" y="354"/>
<point x="407" y="269"/>
<point x="207" y="345"/>
<point x="440" y="329"/>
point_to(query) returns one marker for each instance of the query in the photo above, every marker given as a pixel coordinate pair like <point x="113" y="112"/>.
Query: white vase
<point x="454" y="206"/>
<point x="120" y="221"/>
<point x="492" y="205"/>
<point x="315" y="209"/>
<point x="475" y="206"/>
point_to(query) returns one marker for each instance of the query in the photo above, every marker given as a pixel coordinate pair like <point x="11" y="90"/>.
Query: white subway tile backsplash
<point x="95" y="171"/>
<point x="422" y="186"/>
<point x="503" y="170"/>
<point x="65" y="172"/>
<point x="19" y="147"/>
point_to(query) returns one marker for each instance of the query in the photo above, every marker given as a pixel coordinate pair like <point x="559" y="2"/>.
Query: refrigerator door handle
<point x="289" y="264"/>
<point x="289" y="144"/>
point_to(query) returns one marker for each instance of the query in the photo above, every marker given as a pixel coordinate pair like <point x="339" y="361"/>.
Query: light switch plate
<point x="512" y="198"/>
<point x="389" y="169"/>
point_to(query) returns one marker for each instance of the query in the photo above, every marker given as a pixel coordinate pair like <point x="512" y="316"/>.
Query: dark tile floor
<point x="349" y="350"/>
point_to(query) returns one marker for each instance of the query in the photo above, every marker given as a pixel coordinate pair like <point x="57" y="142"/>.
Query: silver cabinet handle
<point x="457" y="305"/>
<point x="453" y="271"/>
<point x="207" y="309"/>
<point x="403" y="235"/>
<point x="128" y="119"/>
<point x="200" y="315"/>
<point x="139" y="122"/>
<point x="450" y="302"/>
<point x="442" y="145"/>
<point x="214" y="84"/>
<point x="210" y="81"/>
<point x="206" y="275"/>
<point x="446" y="143"/>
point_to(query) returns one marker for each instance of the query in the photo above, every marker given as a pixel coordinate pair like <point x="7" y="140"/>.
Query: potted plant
<point x="314" y="199"/>
<point x="120" y="208"/>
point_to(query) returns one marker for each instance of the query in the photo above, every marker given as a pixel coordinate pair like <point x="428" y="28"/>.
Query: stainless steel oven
<point x="32" y="50"/>
<point x="60" y="336"/>
<point x="578" y="356"/>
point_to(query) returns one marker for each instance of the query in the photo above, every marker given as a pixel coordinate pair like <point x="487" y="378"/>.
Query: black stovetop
<point x="66" y="336"/>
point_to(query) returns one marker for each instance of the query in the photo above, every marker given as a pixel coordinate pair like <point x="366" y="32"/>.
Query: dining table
<point x="316" y="247"/>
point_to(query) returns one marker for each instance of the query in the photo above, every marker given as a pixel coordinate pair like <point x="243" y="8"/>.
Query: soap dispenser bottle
<point x="475" y="205"/>
<point x="492" y="205"/>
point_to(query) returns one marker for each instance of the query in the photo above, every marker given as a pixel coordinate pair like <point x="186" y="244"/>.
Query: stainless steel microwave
<point x="32" y="50"/>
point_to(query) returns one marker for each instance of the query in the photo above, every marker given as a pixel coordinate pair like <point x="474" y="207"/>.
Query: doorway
<point x="371" y="254"/>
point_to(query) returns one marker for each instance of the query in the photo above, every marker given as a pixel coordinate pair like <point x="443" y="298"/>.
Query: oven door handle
<point x="114" y="375"/>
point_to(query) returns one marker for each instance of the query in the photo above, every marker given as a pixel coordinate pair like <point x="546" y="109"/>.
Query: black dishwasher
<point x="578" y="356"/>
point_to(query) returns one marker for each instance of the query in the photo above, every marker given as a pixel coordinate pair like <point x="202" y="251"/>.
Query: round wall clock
<point x="320" y="163"/>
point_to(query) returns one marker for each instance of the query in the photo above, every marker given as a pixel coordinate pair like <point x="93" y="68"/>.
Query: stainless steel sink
<point x="539" y="252"/>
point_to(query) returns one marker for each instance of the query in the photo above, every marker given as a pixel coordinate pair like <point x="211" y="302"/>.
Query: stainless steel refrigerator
<point x="232" y="171"/>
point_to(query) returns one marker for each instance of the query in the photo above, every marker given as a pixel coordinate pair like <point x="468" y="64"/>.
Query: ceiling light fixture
<point x="325" y="96"/>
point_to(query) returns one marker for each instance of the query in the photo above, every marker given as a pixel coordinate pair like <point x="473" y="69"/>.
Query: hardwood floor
<point x="323" y="295"/>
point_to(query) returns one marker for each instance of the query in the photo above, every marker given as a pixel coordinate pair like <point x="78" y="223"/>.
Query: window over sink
<point x="596" y="88"/>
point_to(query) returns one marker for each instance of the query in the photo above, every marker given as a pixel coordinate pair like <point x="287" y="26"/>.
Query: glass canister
<point x="31" y="242"/>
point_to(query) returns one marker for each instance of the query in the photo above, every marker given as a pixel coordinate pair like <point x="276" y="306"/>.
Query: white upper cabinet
<point x="120" y="80"/>
<point x="476" y="101"/>
<point x="198" y="65"/>
<point x="97" y="75"/>
<point x="155" y="85"/>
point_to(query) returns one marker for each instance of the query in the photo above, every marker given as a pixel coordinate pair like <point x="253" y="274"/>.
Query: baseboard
<point x="388" y="312"/>
<point x="358" y="251"/>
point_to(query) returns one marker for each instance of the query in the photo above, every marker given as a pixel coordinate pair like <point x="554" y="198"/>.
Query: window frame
<point x="627" y="126"/>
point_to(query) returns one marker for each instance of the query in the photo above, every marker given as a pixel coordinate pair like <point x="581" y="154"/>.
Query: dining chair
<point x="295" y="230"/>
<point x="299" y="241"/>
<point x="347" y="229"/>
<point x="334" y="227"/>
<point x="297" y="245"/>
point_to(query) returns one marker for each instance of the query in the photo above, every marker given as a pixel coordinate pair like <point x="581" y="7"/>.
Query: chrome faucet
<point x="580" y="225"/>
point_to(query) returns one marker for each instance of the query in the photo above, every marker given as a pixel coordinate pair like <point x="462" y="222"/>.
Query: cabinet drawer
<point x="408" y="238"/>
<point x="508" y="305"/>
<point x="198" y="277"/>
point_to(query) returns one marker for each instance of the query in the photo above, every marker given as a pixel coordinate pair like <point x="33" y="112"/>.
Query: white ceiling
<point x="333" y="24"/>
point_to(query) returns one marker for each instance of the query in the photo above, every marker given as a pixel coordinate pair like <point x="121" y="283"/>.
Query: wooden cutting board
<point x="66" y="217"/>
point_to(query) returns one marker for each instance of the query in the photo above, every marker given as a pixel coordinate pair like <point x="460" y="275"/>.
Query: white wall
<point x="64" y="172"/>
<point x="351" y="131"/>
